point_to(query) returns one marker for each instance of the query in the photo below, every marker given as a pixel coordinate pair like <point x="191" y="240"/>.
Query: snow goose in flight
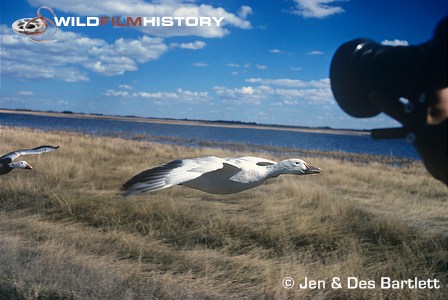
<point x="215" y="175"/>
<point x="7" y="164"/>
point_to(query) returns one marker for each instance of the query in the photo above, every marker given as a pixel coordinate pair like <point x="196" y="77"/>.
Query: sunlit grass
<point x="66" y="231"/>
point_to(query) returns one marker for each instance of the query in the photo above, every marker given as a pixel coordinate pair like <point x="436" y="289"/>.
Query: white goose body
<point x="216" y="175"/>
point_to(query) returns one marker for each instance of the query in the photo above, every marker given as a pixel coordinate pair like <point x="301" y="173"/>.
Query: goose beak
<point x="312" y="170"/>
<point x="28" y="167"/>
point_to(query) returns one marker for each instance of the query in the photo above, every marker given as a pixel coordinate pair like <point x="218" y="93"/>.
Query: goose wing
<point x="38" y="150"/>
<point x="176" y="172"/>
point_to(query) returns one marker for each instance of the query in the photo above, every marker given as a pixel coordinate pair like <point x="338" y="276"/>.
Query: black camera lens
<point x="349" y="74"/>
<point x="361" y="67"/>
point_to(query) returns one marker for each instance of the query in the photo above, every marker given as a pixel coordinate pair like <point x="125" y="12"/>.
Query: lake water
<point x="193" y="134"/>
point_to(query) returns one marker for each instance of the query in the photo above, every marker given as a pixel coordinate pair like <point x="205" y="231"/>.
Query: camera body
<point x="361" y="67"/>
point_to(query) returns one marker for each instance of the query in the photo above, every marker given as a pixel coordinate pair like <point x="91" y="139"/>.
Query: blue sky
<point x="268" y="62"/>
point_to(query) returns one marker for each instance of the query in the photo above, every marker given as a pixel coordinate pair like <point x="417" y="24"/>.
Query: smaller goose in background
<point x="7" y="164"/>
<point x="216" y="175"/>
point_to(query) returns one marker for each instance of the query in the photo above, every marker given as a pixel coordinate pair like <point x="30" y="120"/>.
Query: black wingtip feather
<point x="152" y="177"/>
<point x="46" y="146"/>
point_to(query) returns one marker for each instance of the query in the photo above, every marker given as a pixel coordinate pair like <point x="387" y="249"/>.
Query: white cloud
<point x="287" y="91"/>
<point x="74" y="54"/>
<point x="125" y="86"/>
<point x="26" y="60"/>
<point x="197" y="45"/>
<point x="200" y="64"/>
<point x="245" y="68"/>
<point x="25" y="93"/>
<point x="244" y="12"/>
<point x="291" y="83"/>
<point x="29" y="70"/>
<point x="174" y="8"/>
<point x="278" y="82"/>
<point x="315" y="52"/>
<point x="179" y="95"/>
<point x="124" y="54"/>
<point x="395" y="42"/>
<point x="276" y="51"/>
<point x="320" y="95"/>
<point x="261" y="67"/>
<point x="156" y="95"/>
<point x="115" y="93"/>
<point x="245" y="94"/>
<point x="316" y="8"/>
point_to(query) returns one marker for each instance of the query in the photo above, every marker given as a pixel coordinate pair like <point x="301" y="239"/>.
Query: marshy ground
<point x="67" y="232"/>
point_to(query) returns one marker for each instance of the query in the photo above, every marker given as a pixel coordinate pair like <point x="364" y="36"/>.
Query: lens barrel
<point x="362" y="66"/>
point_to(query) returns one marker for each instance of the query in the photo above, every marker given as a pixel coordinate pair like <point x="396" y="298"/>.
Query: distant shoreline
<point x="187" y="122"/>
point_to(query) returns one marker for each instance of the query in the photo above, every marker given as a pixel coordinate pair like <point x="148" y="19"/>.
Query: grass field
<point x="66" y="231"/>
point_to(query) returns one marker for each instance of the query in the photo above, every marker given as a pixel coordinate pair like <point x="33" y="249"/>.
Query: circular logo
<point x="288" y="282"/>
<point x="32" y="27"/>
<point x="29" y="26"/>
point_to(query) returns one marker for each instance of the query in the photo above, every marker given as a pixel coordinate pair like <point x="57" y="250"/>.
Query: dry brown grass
<point x="66" y="231"/>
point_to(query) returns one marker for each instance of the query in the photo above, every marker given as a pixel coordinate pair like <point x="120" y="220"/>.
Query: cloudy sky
<point x="268" y="62"/>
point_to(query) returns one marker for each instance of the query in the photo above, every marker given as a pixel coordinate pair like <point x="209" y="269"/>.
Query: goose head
<point x="20" y="165"/>
<point x="298" y="167"/>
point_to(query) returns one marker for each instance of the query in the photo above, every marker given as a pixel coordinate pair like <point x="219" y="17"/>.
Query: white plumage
<point x="216" y="175"/>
